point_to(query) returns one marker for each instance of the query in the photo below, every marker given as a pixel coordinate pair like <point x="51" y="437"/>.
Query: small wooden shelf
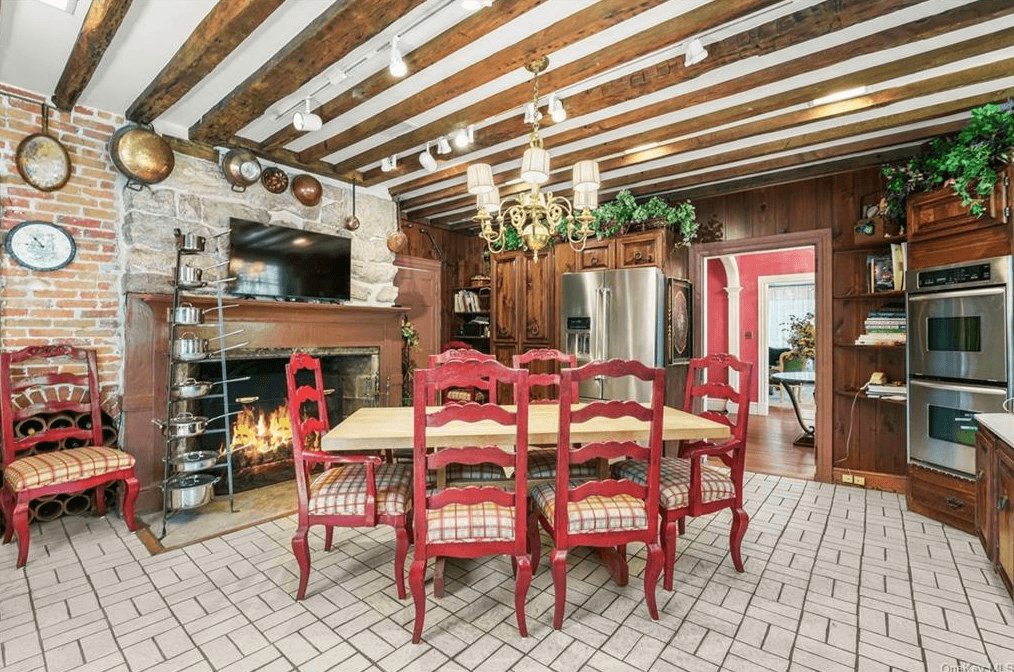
<point x="873" y="243"/>
<point x="471" y="312"/>
<point x="899" y="347"/>
<point x="850" y="393"/>
<point x="871" y="296"/>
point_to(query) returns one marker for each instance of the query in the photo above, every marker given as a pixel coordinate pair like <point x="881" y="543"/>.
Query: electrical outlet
<point x="846" y="478"/>
<point x="859" y="480"/>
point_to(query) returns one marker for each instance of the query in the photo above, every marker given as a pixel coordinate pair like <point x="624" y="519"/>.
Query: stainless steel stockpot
<point x="189" y="277"/>
<point x="189" y="491"/>
<point x="195" y="460"/>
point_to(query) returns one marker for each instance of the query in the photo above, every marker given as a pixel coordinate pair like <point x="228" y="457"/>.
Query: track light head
<point x="556" y="109"/>
<point x="305" y="120"/>
<point x="397" y="68"/>
<point x="695" y="52"/>
<point x="427" y="161"/>
<point x="443" y="146"/>
<point x="461" y="138"/>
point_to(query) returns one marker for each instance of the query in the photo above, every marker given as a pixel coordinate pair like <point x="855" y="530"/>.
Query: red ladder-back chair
<point x="608" y="513"/>
<point x="471" y="521"/>
<point x="542" y="459"/>
<point x="482" y="391"/>
<point x="353" y="491"/>
<point x="44" y="380"/>
<point x="690" y="486"/>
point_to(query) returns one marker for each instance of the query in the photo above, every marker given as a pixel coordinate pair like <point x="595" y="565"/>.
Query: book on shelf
<point x="466" y="301"/>
<point x="881" y="273"/>
<point x="887" y="390"/>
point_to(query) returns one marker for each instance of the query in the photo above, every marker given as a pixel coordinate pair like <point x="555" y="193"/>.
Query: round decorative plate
<point x="43" y="162"/>
<point x="681" y="325"/>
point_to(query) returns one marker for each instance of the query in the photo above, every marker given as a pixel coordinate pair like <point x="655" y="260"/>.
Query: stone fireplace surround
<point x="267" y="325"/>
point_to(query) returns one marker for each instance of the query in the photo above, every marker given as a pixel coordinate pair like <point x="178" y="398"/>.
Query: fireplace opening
<point x="259" y="416"/>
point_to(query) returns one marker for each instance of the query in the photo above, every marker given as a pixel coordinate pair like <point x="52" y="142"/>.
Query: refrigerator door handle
<point x="605" y="312"/>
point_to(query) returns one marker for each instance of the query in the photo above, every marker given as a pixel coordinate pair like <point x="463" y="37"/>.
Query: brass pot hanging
<point x="142" y="155"/>
<point x="352" y="222"/>
<point x="306" y="189"/>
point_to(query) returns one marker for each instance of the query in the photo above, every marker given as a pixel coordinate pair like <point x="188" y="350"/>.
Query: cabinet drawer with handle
<point x="952" y="497"/>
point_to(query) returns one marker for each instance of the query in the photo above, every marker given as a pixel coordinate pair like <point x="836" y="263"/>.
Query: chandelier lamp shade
<point x="535" y="216"/>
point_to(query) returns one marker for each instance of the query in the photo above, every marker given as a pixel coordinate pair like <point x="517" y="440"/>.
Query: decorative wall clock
<point x="40" y="246"/>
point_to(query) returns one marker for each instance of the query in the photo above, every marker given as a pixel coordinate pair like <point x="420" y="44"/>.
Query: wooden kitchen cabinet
<point x="597" y="254"/>
<point x="641" y="249"/>
<point x="994" y="522"/>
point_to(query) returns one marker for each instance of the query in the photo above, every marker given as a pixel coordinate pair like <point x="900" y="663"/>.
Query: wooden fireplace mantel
<point x="275" y="325"/>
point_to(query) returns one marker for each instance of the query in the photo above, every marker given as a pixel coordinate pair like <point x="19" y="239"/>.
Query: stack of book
<point x="887" y="391"/>
<point x="884" y="326"/>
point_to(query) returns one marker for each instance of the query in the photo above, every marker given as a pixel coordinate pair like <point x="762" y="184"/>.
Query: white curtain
<point x="784" y="300"/>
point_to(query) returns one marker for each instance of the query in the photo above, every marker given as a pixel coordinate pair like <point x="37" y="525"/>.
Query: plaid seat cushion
<point x="64" y="466"/>
<point x="674" y="492"/>
<point x="342" y="490"/>
<point x="542" y="464"/>
<point x="474" y="472"/>
<point x="470" y="523"/>
<point x="595" y="513"/>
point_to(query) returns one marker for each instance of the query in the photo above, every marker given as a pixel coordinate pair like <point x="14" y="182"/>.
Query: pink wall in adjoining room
<point x="751" y="267"/>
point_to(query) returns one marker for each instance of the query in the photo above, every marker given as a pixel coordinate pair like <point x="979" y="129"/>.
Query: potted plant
<point x="409" y="342"/>
<point x="802" y="337"/>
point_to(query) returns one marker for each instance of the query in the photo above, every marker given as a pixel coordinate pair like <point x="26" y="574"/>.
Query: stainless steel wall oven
<point x="959" y="360"/>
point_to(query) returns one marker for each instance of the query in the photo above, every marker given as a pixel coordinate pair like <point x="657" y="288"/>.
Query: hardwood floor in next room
<point x="769" y="448"/>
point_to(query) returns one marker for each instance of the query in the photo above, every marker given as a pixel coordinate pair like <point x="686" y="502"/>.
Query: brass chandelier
<point x="534" y="215"/>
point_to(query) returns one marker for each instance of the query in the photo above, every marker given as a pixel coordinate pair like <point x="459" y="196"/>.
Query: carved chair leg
<point x="328" y="537"/>
<point x="534" y="541"/>
<point x="740" y="520"/>
<point x="7" y="503"/>
<point x="100" y="499"/>
<point x="131" y="488"/>
<point x="683" y="525"/>
<point x="21" y="529"/>
<point x="558" y="560"/>
<point x="400" y="554"/>
<point x="669" y="537"/>
<point x="523" y="580"/>
<point x="651" y="572"/>
<point x="416" y="575"/>
<point x="438" y="576"/>
<point x="301" y="549"/>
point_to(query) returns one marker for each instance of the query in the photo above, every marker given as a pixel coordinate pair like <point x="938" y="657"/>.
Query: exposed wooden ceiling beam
<point x="658" y="36"/>
<point x="608" y="94"/>
<point x="563" y="33"/>
<point x="792" y="144"/>
<point x="100" y="25"/>
<point x="341" y="28"/>
<point x="458" y="36"/>
<point x="223" y="29"/>
<point x="887" y="71"/>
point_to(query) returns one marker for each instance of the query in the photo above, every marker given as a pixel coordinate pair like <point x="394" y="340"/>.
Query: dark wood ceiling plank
<point x="469" y="30"/>
<point x="787" y="144"/>
<point x="100" y="25"/>
<point x="658" y="36"/>
<point x="598" y="98"/>
<point x="341" y="28"/>
<point x="223" y="29"/>
<point x="886" y="71"/>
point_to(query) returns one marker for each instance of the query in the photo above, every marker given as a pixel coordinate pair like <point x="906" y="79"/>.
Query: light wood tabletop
<point x="391" y="427"/>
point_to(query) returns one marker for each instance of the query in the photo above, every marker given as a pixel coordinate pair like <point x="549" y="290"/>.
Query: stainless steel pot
<point x="194" y="389"/>
<point x="190" y="242"/>
<point x="186" y="424"/>
<point x="187" y="314"/>
<point x="195" y="460"/>
<point x="189" y="491"/>
<point x="190" y="348"/>
<point x="189" y="277"/>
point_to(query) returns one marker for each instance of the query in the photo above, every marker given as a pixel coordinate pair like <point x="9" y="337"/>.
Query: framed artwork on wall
<point x="679" y="322"/>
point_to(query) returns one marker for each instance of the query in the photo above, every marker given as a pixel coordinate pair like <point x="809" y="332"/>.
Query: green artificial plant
<point x="968" y="161"/>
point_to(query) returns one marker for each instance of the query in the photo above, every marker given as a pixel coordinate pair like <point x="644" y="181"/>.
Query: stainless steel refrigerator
<point x="610" y="314"/>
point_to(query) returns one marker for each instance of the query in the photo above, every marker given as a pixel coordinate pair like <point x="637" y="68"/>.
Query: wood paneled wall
<point x="462" y="259"/>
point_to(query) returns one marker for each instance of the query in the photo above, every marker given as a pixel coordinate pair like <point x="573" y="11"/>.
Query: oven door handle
<point x="962" y="294"/>
<point x="954" y="387"/>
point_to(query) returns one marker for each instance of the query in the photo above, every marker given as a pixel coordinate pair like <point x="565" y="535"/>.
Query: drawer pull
<point x="638" y="256"/>
<point x="954" y="502"/>
<point x="1002" y="503"/>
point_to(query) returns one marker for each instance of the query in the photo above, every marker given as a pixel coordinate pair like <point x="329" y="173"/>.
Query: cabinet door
<point x="1004" y="465"/>
<point x="984" y="443"/>
<point x="596" y="254"/>
<point x="643" y="249"/>
<point x="505" y="355"/>
<point x="506" y="269"/>
<point x="538" y="286"/>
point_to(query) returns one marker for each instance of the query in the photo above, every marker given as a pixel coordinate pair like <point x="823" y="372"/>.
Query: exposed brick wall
<point x="80" y="304"/>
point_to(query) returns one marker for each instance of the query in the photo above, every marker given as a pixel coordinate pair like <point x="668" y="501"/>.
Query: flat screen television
<point x="283" y="263"/>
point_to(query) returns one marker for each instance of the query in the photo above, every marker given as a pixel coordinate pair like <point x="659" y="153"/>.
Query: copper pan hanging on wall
<point x="142" y="155"/>
<point x="42" y="160"/>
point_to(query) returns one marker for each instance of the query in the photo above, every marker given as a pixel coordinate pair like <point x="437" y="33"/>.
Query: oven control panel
<point x="960" y="275"/>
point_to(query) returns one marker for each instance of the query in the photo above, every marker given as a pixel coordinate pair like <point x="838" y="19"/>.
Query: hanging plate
<point x="41" y="159"/>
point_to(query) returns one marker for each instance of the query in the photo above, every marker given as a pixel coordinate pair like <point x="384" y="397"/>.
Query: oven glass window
<point x="954" y="334"/>
<point x="954" y="425"/>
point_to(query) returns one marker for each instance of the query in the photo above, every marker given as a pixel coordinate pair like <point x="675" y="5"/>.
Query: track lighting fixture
<point x="427" y="161"/>
<point x="461" y="140"/>
<point x="389" y="163"/>
<point x="695" y="52"/>
<point x="532" y="113"/>
<point x="397" y="68"/>
<point x="306" y="120"/>
<point x="556" y="110"/>
<point x="443" y="146"/>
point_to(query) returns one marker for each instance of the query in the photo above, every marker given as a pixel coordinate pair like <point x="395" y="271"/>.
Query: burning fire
<point x="262" y="432"/>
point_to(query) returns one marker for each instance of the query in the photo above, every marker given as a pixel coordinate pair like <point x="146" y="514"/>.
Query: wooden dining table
<point x="381" y="428"/>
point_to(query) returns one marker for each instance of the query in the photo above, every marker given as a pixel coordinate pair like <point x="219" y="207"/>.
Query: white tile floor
<point x="836" y="579"/>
